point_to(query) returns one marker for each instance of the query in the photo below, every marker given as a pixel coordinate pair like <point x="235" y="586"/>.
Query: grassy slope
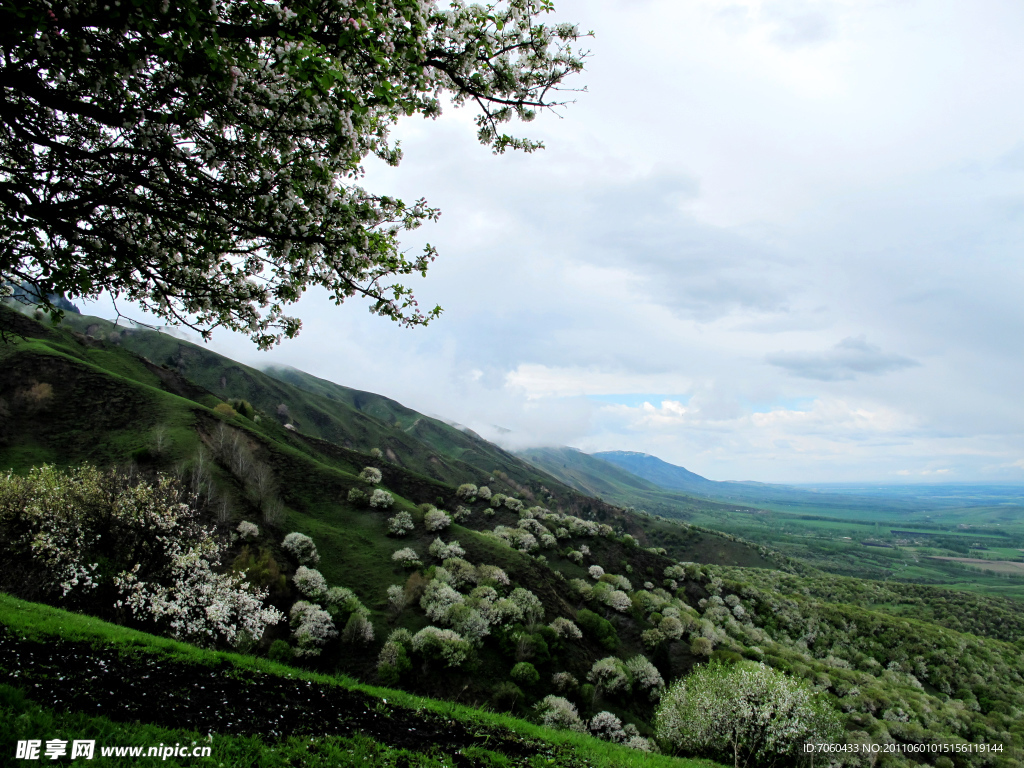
<point x="347" y="417"/>
<point x="20" y="719"/>
<point x="106" y="402"/>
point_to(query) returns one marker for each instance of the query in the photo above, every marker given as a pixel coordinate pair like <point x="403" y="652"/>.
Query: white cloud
<point x="846" y="360"/>
<point x="743" y="185"/>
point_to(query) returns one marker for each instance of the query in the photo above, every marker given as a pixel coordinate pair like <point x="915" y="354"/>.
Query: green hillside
<point x="519" y="587"/>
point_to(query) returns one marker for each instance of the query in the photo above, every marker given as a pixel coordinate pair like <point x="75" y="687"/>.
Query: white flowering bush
<point x="407" y="556"/>
<point x="461" y="513"/>
<point x="528" y="604"/>
<point x="497" y="500"/>
<point x="65" y="534"/>
<point x="746" y="712"/>
<point x="461" y="573"/>
<point x="393" y="660"/>
<point x="513" y="504"/>
<point x="438" y="600"/>
<point x="441" y="645"/>
<point x="564" y="681"/>
<point x="517" y="538"/>
<point x="358" y="629"/>
<point x="310" y="582"/>
<point x="400" y="524"/>
<point x="607" y="726"/>
<point x="443" y="551"/>
<point x="610" y="675"/>
<point x="466" y="491"/>
<point x="342" y="599"/>
<point x="617" y="600"/>
<point x="556" y="712"/>
<point x="312" y="628"/>
<point x="492" y="574"/>
<point x="301" y="547"/>
<point x="596" y="572"/>
<point x="565" y="628"/>
<point x="671" y="627"/>
<point x="248" y="531"/>
<point x="381" y="499"/>
<point x="483" y="492"/>
<point x="397" y="599"/>
<point x="371" y="475"/>
<point x="436" y="520"/>
<point x="646" y="676"/>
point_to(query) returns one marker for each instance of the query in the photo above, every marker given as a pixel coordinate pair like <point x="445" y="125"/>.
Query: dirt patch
<point x="222" y="699"/>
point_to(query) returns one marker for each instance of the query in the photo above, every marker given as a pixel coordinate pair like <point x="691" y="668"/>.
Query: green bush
<point x="599" y="629"/>
<point x="243" y="408"/>
<point x="505" y="696"/>
<point x="281" y="652"/>
<point x="525" y="674"/>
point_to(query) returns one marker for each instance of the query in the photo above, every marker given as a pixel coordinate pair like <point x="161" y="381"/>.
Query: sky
<point x="773" y="240"/>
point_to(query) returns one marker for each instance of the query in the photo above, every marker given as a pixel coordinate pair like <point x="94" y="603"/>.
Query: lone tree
<point x="746" y="714"/>
<point x="201" y="158"/>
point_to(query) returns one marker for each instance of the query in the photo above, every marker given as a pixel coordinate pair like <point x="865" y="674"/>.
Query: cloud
<point x="844" y="362"/>
<point x="799" y="24"/>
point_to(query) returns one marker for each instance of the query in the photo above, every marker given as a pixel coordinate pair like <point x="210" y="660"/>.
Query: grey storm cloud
<point x="845" y="361"/>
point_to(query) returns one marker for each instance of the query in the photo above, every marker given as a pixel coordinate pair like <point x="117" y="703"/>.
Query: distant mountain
<point x="674" y="478"/>
<point x="659" y="472"/>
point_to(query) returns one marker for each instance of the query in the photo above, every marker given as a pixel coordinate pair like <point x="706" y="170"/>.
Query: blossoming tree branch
<point x="202" y="158"/>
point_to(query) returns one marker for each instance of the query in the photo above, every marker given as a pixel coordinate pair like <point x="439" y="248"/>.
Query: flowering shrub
<point x="393" y="660"/>
<point x="497" y="500"/>
<point x="460" y="572"/>
<point x="747" y="712"/>
<point x="559" y="713"/>
<point x="610" y="676"/>
<point x="466" y="491"/>
<point x="407" y="557"/>
<point x="514" y="504"/>
<point x="381" y="499"/>
<point x="483" y="492"/>
<point x="528" y="604"/>
<point x="310" y="582"/>
<point x="312" y="627"/>
<point x="400" y="524"/>
<point x="646" y="676"/>
<point x="342" y="600"/>
<point x="461" y="513"/>
<point x="301" y="547"/>
<point x="358" y="629"/>
<point x="443" y="551"/>
<point x="566" y="629"/>
<point x="441" y="645"/>
<point x="397" y="599"/>
<point x="57" y="528"/>
<point x="436" y="520"/>
<point x="248" y="531"/>
<point x="493" y="574"/>
<point x="438" y="599"/>
<point x="616" y="600"/>
<point x="564" y="681"/>
<point x="371" y="475"/>
<point x="607" y="726"/>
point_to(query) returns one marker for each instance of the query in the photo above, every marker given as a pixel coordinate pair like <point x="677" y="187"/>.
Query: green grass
<point x="20" y="719"/>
